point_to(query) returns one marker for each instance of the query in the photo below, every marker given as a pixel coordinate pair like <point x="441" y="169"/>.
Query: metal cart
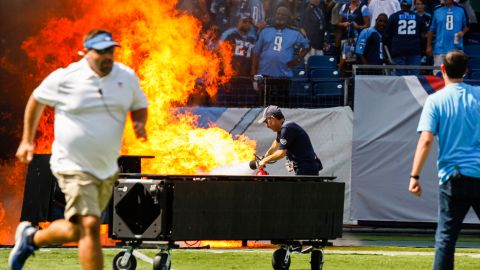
<point x="290" y="211"/>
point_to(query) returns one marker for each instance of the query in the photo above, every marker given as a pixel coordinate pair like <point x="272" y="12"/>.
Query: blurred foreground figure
<point x="91" y="99"/>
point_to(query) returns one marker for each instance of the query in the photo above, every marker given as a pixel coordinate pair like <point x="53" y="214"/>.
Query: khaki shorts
<point x="85" y="195"/>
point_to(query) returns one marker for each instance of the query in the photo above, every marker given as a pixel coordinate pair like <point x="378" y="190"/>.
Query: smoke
<point x="239" y="169"/>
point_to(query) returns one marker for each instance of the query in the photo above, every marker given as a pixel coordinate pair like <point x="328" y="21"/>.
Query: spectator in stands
<point x="452" y="116"/>
<point x="314" y="25"/>
<point x="404" y="36"/>
<point x="220" y="14"/>
<point x="353" y="18"/>
<point x="449" y="23"/>
<point x="242" y="39"/>
<point x="255" y="9"/>
<point x="387" y="7"/>
<point x="292" y="141"/>
<point x="278" y="49"/>
<point x="420" y="10"/>
<point x="369" y="46"/>
<point x="427" y="19"/>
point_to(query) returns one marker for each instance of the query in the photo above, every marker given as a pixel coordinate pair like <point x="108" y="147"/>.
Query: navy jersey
<point x="446" y="22"/>
<point x="353" y="16"/>
<point x="404" y="33"/>
<point x="242" y="50"/>
<point x="314" y="23"/>
<point x="296" y="141"/>
<point x="369" y="44"/>
<point x="275" y="48"/>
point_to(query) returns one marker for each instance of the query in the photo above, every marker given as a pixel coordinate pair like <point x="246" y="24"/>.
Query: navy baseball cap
<point x="406" y="2"/>
<point x="100" y="42"/>
<point x="270" y="111"/>
<point x="245" y="15"/>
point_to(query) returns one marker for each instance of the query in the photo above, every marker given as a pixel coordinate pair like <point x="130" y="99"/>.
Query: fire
<point x="11" y="195"/>
<point x="166" y="49"/>
<point x="163" y="46"/>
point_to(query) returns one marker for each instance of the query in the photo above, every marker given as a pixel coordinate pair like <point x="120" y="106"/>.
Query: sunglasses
<point x="106" y="51"/>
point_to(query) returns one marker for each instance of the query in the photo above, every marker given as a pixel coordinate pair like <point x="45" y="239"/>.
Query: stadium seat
<point x="328" y="88"/>
<point x="317" y="75"/>
<point x="299" y="72"/>
<point x="472" y="50"/>
<point x="474" y="64"/>
<point x="321" y="62"/>
<point x="472" y="82"/>
<point x="300" y="87"/>
<point x="474" y="75"/>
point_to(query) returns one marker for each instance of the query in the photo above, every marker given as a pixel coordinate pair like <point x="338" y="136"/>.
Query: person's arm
<point x="421" y="154"/>
<point x="139" y="119"/>
<point x="272" y="154"/>
<point x="429" y="49"/>
<point x="272" y="148"/>
<point x="463" y="32"/>
<point x="33" y="112"/>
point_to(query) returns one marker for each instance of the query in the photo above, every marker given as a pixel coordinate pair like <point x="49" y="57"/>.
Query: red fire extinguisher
<point x="254" y="165"/>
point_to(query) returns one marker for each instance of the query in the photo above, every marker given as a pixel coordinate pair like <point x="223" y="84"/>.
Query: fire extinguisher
<point x="254" y="165"/>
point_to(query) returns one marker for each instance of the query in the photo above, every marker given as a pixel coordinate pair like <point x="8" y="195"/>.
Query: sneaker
<point x="23" y="246"/>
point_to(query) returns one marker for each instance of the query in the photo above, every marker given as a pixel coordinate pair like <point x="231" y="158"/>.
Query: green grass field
<point x="336" y="258"/>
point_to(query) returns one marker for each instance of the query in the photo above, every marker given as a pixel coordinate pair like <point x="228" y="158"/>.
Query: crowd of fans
<point x="271" y="37"/>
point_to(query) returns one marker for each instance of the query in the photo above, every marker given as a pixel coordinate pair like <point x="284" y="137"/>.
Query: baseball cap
<point x="100" y="42"/>
<point x="406" y="2"/>
<point x="268" y="112"/>
<point x="245" y="15"/>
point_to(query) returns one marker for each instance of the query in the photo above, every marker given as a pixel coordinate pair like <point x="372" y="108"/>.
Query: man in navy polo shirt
<point x="292" y="141"/>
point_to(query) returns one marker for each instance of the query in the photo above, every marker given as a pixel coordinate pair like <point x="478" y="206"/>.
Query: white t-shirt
<point x="378" y="7"/>
<point x="90" y="113"/>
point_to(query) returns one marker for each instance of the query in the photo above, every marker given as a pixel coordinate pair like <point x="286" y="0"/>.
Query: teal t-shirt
<point x="453" y="116"/>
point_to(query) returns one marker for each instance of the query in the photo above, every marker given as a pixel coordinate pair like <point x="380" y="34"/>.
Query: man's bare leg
<point x="89" y="248"/>
<point x="60" y="231"/>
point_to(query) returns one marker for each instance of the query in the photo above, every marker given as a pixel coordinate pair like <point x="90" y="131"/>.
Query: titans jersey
<point x="404" y="32"/>
<point x="275" y="48"/>
<point x="242" y="50"/>
<point x="445" y="24"/>
<point x="369" y="44"/>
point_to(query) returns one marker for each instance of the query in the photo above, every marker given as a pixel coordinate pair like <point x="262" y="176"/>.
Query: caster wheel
<point x="131" y="264"/>
<point x="316" y="260"/>
<point x="279" y="262"/>
<point x="162" y="261"/>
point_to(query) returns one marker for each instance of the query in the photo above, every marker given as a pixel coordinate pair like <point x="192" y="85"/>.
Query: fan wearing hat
<point x="292" y="141"/>
<point x="91" y="99"/>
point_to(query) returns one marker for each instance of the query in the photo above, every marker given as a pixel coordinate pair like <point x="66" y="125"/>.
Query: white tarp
<point x="387" y="110"/>
<point x="330" y="131"/>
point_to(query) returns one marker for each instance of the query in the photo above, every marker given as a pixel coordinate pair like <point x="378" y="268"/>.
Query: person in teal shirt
<point x="452" y="116"/>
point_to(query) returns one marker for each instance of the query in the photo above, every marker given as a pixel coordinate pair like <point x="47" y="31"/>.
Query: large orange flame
<point x="163" y="46"/>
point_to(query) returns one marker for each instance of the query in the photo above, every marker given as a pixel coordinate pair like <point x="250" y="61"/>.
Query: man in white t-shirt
<point x="91" y="99"/>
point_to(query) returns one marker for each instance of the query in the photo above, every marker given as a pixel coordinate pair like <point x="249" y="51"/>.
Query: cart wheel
<point x="162" y="261"/>
<point x="280" y="261"/>
<point x="316" y="259"/>
<point x="131" y="264"/>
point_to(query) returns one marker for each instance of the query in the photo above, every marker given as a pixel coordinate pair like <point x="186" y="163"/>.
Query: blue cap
<point x="245" y="15"/>
<point x="100" y="42"/>
<point x="406" y="2"/>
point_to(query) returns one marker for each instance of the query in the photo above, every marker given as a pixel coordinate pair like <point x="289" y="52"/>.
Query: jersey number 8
<point x="449" y="22"/>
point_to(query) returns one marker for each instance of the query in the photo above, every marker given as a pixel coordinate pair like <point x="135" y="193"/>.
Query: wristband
<point x="416" y="177"/>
